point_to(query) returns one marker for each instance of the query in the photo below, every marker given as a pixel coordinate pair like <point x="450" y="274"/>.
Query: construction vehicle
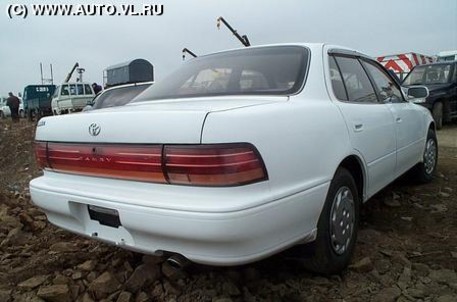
<point x="401" y="64"/>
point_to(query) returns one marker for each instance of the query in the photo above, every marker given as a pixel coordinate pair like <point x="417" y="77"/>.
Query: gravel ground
<point x="406" y="249"/>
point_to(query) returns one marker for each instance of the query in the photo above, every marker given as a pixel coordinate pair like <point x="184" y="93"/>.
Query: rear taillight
<point x="41" y="154"/>
<point x="216" y="165"/>
<point x="202" y="165"/>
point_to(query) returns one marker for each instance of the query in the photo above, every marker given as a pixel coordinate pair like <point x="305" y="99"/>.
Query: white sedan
<point x="238" y="155"/>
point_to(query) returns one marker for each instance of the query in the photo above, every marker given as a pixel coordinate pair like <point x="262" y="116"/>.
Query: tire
<point x="437" y="113"/>
<point x="334" y="247"/>
<point x="423" y="172"/>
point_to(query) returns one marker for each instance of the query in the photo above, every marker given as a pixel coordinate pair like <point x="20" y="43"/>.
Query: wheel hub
<point x="430" y="156"/>
<point x="342" y="217"/>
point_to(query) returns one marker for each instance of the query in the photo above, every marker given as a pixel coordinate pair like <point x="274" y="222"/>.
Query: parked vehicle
<point x="238" y="155"/>
<point x="5" y="110"/>
<point x="441" y="80"/>
<point x="71" y="97"/>
<point x="116" y="96"/>
<point x="37" y="100"/>
<point x="446" y="56"/>
<point x="401" y="64"/>
<point x="134" y="71"/>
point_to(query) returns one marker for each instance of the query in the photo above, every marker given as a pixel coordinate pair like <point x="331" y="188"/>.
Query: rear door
<point x="409" y="127"/>
<point x="370" y="122"/>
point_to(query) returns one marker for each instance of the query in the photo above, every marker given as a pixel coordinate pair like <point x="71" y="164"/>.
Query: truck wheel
<point x="423" y="171"/>
<point x="438" y="115"/>
<point x="337" y="226"/>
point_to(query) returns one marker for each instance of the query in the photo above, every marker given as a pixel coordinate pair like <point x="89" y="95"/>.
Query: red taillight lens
<point x="214" y="165"/>
<point x="117" y="161"/>
<point x="203" y="165"/>
<point x="41" y="154"/>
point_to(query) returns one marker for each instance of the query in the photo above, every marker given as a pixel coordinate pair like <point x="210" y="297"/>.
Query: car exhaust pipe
<point x="178" y="261"/>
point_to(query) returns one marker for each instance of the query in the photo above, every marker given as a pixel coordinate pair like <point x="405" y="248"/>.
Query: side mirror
<point x="416" y="94"/>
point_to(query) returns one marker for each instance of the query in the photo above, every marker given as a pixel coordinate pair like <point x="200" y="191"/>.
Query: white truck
<point x="71" y="97"/>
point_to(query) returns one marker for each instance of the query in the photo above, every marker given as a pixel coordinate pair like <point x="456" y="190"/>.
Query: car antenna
<point x="186" y="50"/>
<point x="243" y="39"/>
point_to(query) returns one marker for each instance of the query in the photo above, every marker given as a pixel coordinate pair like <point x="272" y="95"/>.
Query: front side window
<point x="87" y="89"/>
<point x="357" y="83"/>
<point x="65" y="90"/>
<point x="278" y="70"/>
<point x="388" y="92"/>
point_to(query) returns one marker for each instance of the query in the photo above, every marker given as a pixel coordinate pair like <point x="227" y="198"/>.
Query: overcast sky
<point x="374" y="27"/>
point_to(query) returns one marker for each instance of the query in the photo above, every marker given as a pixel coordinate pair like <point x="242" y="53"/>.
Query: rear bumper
<point x="208" y="237"/>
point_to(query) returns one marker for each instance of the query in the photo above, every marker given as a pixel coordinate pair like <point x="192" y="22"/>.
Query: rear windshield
<point x="428" y="75"/>
<point x="118" y="96"/>
<point x="278" y="70"/>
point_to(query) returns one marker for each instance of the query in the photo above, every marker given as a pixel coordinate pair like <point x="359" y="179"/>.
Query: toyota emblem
<point x="94" y="129"/>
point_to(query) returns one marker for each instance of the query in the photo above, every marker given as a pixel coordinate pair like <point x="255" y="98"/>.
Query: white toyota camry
<point x="238" y="155"/>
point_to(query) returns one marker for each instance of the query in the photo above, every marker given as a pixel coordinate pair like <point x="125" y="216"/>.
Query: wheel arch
<point x="355" y="166"/>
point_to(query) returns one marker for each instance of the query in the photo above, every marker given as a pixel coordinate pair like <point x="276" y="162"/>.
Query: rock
<point x="447" y="298"/>
<point x="33" y="282"/>
<point x="382" y="266"/>
<point x="416" y="293"/>
<point x="124" y="297"/>
<point x="144" y="274"/>
<point x="444" y="194"/>
<point x="55" y="293"/>
<point x="64" y="247"/>
<point x="76" y="275"/>
<point x="393" y="203"/>
<point x="91" y="276"/>
<point x="60" y="279"/>
<point x="104" y="285"/>
<point x="171" y="272"/>
<point x="222" y="300"/>
<point x="445" y="276"/>
<point x="363" y="266"/>
<point x="405" y="278"/>
<point x="15" y="237"/>
<point x="142" y="297"/>
<point x="421" y="269"/>
<point x="87" y="298"/>
<point x="438" y="208"/>
<point x="406" y="218"/>
<point x="454" y="254"/>
<point x="171" y="289"/>
<point x="389" y="294"/>
<point x="229" y="288"/>
<point x="5" y="295"/>
<point x="87" y="266"/>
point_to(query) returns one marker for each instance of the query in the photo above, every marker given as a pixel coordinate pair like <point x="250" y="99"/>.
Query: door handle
<point x="358" y="127"/>
<point x="398" y="119"/>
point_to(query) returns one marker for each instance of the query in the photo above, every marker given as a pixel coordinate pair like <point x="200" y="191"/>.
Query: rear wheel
<point x="337" y="226"/>
<point x="438" y="114"/>
<point x="423" y="172"/>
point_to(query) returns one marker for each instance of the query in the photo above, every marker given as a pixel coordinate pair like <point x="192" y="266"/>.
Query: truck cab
<point x="441" y="80"/>
<point x="71" y="97"/>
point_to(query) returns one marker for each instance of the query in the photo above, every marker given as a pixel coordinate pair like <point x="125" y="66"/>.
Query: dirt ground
<point x="406" y="249"/>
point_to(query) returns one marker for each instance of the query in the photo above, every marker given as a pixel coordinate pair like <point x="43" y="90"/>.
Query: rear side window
<point x="337" y="80"/>
<point x="356" y="81"/>
<point x="87" y="89"/>
<point x="387" y="90"/>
